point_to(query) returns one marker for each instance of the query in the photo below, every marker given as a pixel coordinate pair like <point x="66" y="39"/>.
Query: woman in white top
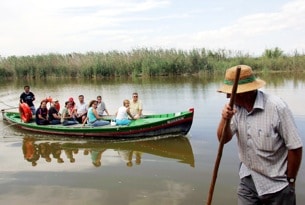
<point x="123" y="113"/>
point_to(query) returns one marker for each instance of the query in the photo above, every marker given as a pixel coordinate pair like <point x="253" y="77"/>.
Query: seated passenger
<point x="72" y="109"/>
<point x="92" y="117"/>
<point x="101" y="106"/>
<point x="81" y="109"/>
<point x="136" y="107"/>
<point x="122" y="114"/>
<point x="66" y="116"/>
<point x="42" y="114"/>
<point x="54" y="116"/>
<point x="72" y="101"/>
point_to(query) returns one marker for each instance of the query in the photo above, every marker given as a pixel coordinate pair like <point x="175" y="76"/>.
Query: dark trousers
<point x="247" y="195"/>
<point x="55" y="122"/>
<point x="42" y="122"/>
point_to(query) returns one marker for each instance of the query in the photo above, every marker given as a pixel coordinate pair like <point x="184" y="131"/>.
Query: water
<point x="39" y="169"/>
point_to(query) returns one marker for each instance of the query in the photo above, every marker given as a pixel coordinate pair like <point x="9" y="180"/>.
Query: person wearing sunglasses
<point x="136" y="107"/>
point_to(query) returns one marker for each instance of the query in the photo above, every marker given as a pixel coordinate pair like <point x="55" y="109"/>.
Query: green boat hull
<point x="178" y="123"/>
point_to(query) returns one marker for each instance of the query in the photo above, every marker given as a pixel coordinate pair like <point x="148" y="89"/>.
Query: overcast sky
<point x="33" y="27"/>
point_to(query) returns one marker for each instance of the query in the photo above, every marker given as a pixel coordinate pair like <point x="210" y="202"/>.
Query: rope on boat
<point x="7" y="126"/>
<point x="10" y="106"/>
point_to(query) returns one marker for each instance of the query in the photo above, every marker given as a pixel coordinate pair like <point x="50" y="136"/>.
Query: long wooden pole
<point x="221" y="143"/>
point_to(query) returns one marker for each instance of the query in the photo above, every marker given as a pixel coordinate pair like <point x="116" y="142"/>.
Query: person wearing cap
<point x="71" y="100"/>
<point x="72" y="108"/>
<point x="269" y="145"/>
<point x="54" y="116"/>
<point x="67" y="117"/>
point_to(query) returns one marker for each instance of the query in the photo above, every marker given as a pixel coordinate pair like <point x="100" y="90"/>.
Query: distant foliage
<point x="144" y="62"/>
<point x="273" y="53"/>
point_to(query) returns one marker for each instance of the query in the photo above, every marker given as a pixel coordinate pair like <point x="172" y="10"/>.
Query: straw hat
<point x="247" y="81"/>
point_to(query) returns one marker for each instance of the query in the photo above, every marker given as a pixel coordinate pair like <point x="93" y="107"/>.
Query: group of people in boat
<point x="81" y="112"/>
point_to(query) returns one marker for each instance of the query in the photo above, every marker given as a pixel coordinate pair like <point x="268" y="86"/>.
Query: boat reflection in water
<point x="37" y="150"/>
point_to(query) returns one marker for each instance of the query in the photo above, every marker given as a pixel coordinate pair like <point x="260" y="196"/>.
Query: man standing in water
<point x="270" y="148"/>
<point x="28" y="97"/>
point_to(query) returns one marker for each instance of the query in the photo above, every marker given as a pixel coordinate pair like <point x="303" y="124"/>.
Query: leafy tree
<point x="273" y="53"/>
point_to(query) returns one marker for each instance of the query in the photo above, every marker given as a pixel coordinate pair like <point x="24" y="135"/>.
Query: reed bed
<point x="144" y="62"/>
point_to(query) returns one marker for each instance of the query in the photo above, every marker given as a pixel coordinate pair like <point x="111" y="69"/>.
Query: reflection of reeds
<point x="143" y="62"/>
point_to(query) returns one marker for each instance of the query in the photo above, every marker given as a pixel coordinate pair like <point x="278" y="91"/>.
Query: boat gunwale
<point x="184" y="118"/>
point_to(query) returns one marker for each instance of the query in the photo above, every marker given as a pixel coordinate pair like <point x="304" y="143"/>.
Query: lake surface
<point x="40" y="169"/>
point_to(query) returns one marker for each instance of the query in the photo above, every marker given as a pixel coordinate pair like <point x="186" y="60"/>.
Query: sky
<point x="38" y="27"/>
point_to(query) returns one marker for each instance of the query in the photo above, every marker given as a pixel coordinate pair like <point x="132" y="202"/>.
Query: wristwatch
<point x="291" y="180"/>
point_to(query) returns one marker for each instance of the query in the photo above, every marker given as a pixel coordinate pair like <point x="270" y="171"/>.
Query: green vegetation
<point x="144" y="62"/>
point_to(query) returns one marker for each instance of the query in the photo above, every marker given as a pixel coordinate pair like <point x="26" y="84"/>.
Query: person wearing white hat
<point x="269" y="145"/>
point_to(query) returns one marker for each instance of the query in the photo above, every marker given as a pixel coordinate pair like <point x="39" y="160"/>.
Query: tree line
<point x="144" y="62"/>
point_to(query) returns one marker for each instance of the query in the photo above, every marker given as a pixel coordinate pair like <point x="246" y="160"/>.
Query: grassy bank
<point x="144" y="62"/>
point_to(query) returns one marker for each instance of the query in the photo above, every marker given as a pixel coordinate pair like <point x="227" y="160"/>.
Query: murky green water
<point x="37" y="169"/>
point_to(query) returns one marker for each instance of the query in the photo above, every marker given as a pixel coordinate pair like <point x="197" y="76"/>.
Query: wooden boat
<point x="178" y="123"/>
<point x="50" y="149"/>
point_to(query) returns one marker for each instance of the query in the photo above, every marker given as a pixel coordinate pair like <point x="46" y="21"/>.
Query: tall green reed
<point x="144" y="62"/>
